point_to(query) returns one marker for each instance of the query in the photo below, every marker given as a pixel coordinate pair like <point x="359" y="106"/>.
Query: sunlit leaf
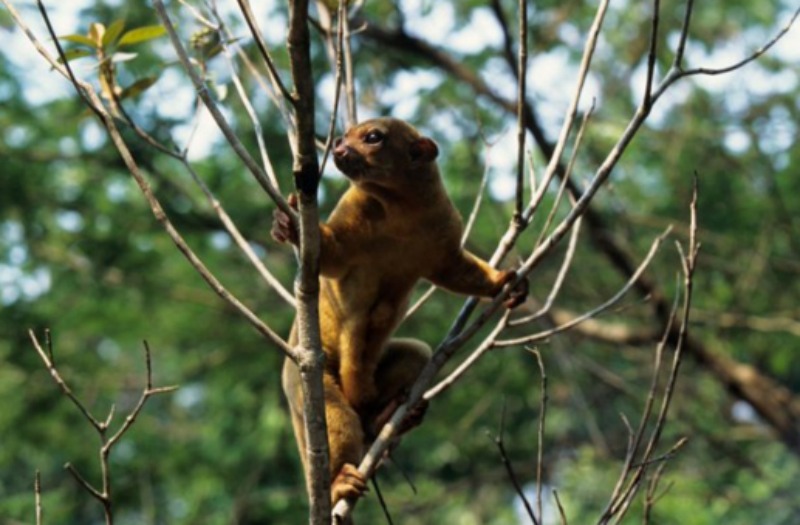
<point x="142" y="34"/>
<point x="113" y="32"/>
<point x="138" y="87"/>
<point x="123" y="57"/>
<point x="79" y="39"/>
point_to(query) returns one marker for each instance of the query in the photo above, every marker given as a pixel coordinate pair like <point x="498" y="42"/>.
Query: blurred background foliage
<point x="80" y="254"/>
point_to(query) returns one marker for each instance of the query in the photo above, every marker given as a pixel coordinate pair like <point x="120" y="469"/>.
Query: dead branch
<point x="104" y="494"/>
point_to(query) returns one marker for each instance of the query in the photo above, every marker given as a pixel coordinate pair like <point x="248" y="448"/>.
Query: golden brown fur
<point x="393" y="226"/>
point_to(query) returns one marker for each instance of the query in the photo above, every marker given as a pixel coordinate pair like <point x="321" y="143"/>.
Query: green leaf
<point x="138" y="87"/>
<point x="141" y="34"/>
<point x="113" y="32"/>
<point x="79" y="39"/>
<point x="73" y="54"/>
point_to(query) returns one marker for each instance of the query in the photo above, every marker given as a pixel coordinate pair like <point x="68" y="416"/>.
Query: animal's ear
<point x="423" y="149"/>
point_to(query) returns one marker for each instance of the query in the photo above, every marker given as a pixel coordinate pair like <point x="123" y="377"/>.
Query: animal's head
<point x="386" y="152"/>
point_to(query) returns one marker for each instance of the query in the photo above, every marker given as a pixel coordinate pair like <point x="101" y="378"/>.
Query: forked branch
<point x="103" y="494"/>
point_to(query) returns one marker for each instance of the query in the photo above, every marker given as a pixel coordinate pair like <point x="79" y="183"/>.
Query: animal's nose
<point x="340" y="149"/>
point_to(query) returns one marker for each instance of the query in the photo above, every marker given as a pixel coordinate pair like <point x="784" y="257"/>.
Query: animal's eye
<point x="374" y="137"/>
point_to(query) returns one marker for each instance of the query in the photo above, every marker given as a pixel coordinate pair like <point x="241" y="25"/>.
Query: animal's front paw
<point x="519" y="293"/>
<point x="283" y="229"/>
<point x="349" y="483"/>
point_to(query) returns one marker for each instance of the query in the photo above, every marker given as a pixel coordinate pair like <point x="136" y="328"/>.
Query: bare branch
<point x="490" y="340"/>
<point x="498" y="440"/>
<point x="148" y="392"/>
<point x="559" y="281"/>
<point x="349" y="78"/>
<point x="63" y="384"/>
<point x="522" y="70"/>
<point x="651" y="54"/>
<point x="591" y="313"/>
<point x="620" y="502"/>
<point x="487" y="344"/>
<point x="223" y="216"/>
<point x="618" y="496"/>
<point x="274" y="77"/>
<point x="245" y="99"/>
<point x="540" y="437"/>
<point x="339" y="67"/>
<point x="104" y="495"/>
<point x="216" y="114"/>
<point x="565" y="178"/>
<point x="677" y="72"/>
<point x="687" y="19"/>
<point x="85" y="484"/>
<point x="37" y="495"/>
<point x="572" y="110"/>
<point x="561" y="512"/>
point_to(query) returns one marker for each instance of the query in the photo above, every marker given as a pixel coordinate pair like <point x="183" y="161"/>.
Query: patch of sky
<point x="69" y="220"/>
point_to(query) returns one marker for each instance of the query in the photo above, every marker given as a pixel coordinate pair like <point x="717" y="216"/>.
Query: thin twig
<point x="635" y="437"/>
<point x="566" y="264"/>
<point x="516" y="227"/>
<point x="572" y="110"/>
<point x="522" y="70"/>
<point x="618" y="509"/>
<point x="566" y="176"/>
<point x="540" y="431"/>
<point x="274" y="76"/>
<point x="100" y="427"/>
<point x="561" y="513"/>
<point x="349" y="75"/>
<point x="512" y="476"/>
<point x="381" y="501"/>
<point x="651" y="53"/>
<point x="222" y="214"/>
<point x="486" y="345"/>
<point x="104" y="496"/>
<point x="216" y="113"/>
<point x="339" y="66"/>
<point x="245" y="100"/>
<point x="147" y="392"/>
<point x="37" y="495"/>
<point x="489" y="342"/>
<point x="595" y="311"/>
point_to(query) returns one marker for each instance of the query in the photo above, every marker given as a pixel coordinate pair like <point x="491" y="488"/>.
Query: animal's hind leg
<point x="345" y="434"/>
<point x="398" y="369"/>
